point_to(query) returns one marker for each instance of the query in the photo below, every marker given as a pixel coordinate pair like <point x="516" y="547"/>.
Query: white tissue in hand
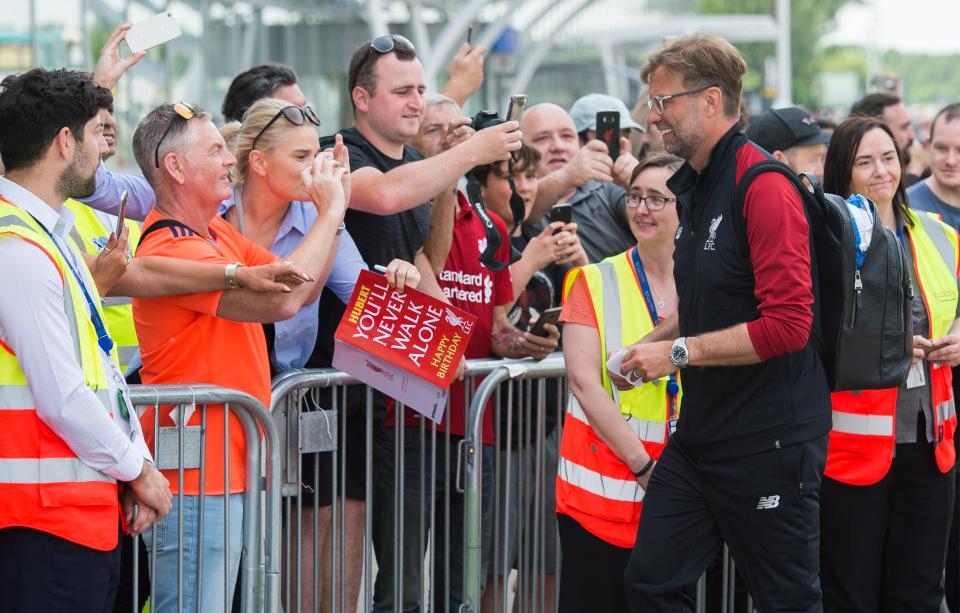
<point x="615" y="363"/>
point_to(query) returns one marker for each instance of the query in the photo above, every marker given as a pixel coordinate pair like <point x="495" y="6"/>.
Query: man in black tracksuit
<point x="745" y="462"/>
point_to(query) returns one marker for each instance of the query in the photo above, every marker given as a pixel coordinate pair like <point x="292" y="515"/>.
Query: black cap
<point x="780" y="129"/>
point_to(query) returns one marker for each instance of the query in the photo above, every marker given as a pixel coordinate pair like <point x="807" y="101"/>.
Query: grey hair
<point x="149" y="132"/>
<point x="433" y="99"/>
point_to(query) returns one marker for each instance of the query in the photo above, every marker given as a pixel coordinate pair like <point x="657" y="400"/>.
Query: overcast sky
<point x="906" y="25"/>
<point x="923" y="26"/>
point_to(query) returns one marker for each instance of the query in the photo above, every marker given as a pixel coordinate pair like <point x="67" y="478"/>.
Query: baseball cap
<point x="584" y="112"/>
<point x="780" y="129"/>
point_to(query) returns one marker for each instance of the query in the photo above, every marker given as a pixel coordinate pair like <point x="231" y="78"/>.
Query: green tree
<point x="809" y="20"/>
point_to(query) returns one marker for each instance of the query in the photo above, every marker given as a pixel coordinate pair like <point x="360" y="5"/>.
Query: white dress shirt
<point x="34" y="325"/>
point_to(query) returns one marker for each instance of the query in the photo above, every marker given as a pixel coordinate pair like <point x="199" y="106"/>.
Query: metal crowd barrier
<point x="422" y="495"/>
<point x="182" y="448"/>
<point x="536" y="600"/>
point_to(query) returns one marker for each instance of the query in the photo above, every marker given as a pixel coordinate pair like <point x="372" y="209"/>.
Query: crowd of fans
<point x="243" y="243"/>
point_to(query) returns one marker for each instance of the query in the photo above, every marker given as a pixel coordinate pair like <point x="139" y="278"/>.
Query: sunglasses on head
<point x="385" y="44"/>
<point x="294" y="114"/>
<point x="388" y="42"/>
<point x="184" y="111"/>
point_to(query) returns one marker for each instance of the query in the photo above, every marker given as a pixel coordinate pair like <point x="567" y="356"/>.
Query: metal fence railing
<point x="183" y="448"/>
<point x="348" y="507"/>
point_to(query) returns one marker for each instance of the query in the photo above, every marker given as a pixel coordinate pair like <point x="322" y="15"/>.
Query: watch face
<point x="678" y="354"/>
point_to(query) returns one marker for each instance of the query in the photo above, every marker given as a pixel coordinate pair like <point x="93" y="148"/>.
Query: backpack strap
<point x="813" y="210"/>
<point x="161" y="224"/>
<point x="808" y="199"/>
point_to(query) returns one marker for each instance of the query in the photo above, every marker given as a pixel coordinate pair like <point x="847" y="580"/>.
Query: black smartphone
<point x="561" y="212"/>
<point x="608" y="130"/>
<point x="469" y="34"/>
<point x="122" y="214"/>
<point x="550" y="316"/>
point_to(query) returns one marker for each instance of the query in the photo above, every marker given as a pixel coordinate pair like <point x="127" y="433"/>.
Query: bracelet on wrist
<point x="230" y="275"/>
<point x="646" y="468"/>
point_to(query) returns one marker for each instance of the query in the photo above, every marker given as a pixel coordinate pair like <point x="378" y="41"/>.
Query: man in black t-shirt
<point x="394" y="193"/>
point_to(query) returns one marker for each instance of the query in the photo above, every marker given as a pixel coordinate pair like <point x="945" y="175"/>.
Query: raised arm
<point x="106" y="198"/>
<point x="466" y="74"/>
<point x="324" y="181"/>
<point x="592" y="162"/>
<point x="412" y="184"/>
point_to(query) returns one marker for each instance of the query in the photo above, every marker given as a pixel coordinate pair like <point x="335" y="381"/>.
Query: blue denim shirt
<point x="294" y="338"/>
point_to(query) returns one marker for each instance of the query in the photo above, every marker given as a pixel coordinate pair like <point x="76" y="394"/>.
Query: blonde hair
<point x="257" y="116"/>
<point x="230" y="132"/>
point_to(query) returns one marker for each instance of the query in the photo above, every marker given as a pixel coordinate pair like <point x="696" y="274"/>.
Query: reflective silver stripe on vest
<point x="612" y="333"/>
<point x="946" y="410"/>
<point x="649" y="431"/>
<point x="112" y="301"/>
<point x="48" y="470"/>
<point x="75" y="235"/>
<point x="870" y="425"/>
<point x="126" y="353"/>
<point x="13" y="220"/>
<point x="938" y="236"/>
<point x="600" y="485"/>
<point x="18" y="397"/>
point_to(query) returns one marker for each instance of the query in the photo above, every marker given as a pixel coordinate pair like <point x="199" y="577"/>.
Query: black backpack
<point x="863" y="319"/>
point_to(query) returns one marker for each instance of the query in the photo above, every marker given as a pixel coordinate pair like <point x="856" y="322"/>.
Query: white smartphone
<point x="149" y="33"/>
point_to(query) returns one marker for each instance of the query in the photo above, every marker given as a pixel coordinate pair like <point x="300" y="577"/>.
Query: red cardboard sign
<point x="410" y="331"/>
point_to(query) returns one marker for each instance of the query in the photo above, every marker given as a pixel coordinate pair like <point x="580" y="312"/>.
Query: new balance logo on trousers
<point x="768" y="502"/>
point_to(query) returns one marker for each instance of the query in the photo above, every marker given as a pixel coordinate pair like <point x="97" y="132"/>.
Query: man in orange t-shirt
<point x="213" y="337"/>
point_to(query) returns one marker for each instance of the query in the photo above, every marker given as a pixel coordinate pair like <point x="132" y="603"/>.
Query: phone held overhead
<point x="152" y="32"/>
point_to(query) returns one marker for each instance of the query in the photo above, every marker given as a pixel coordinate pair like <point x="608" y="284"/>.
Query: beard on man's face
<point x="76" y="181"/>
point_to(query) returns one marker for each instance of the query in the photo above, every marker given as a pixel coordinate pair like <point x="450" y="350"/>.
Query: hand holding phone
<point x="122" y="214"/>
<point x="517" y="102"/>
<point x="153" y="31"/>
<point x="550" y="316"/>
<point x="608" y="131"/>
<point x="561" y="212"/>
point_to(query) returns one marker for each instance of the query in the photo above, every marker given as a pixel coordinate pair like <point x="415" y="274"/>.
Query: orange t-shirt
<point x="577" y="306"/>
<point x="183" y="341"/>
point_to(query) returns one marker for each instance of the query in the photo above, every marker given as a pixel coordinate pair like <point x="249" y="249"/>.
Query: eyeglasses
<point x="654" y="203"/>
<point x="186" y="112"/>
<point x="658" y="102"/>
<point x="294" y="114"/>
<point x="388" y="42"/>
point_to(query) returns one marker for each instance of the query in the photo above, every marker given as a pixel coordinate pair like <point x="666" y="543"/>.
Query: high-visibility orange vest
<point x="43" y="484"/>
<point x="864" y="423"/>
<point x="595" y="487"/>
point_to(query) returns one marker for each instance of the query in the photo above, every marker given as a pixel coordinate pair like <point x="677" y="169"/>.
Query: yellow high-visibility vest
<point x="90" y="235"/>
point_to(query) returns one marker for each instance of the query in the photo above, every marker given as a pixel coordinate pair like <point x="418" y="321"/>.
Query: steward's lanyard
<point x="103" y="337"/>
<point x="673" y="388"/>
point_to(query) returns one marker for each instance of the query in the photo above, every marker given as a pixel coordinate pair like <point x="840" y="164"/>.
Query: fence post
<point x="472" y="497"/>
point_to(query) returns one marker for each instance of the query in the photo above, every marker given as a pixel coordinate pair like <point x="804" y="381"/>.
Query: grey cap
<point x="584" y="112"/>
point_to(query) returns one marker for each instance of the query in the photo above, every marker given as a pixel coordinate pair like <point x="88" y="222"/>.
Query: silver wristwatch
<point x="678" y="352"/>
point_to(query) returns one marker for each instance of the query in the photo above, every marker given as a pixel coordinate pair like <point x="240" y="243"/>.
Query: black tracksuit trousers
<point x="765" y="506"/>
<point x="884" y="544"/>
